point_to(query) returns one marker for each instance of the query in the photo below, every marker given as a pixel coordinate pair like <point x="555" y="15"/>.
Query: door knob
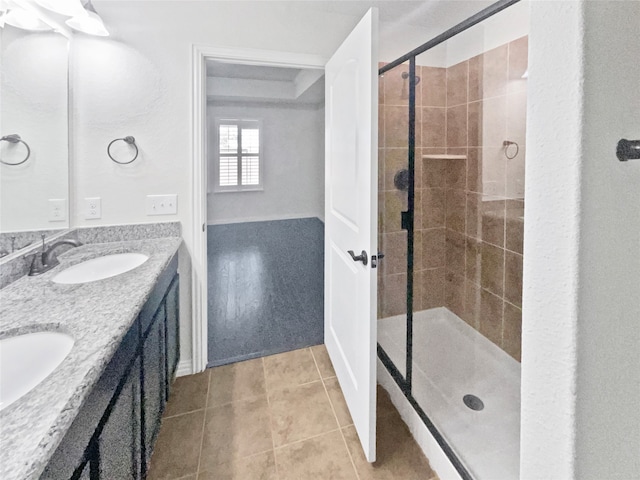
<point x="359" y="258"/>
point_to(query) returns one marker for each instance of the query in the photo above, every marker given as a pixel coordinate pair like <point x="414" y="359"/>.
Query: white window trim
<point x="217" y="188"/>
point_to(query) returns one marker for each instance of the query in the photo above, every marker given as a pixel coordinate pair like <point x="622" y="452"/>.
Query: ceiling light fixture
<point x="70" y="8"/>
<point x="25" y="19"/>
<point x="88" y="22"/>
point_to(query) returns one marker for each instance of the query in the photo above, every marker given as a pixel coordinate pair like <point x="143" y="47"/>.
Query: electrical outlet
<point x="57" y="209"/>
<point x="93" y="208"/>
<point x="162" y="204"/>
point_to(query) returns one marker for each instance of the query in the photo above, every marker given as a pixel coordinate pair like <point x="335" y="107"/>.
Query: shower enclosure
<point x="451" y="202"/>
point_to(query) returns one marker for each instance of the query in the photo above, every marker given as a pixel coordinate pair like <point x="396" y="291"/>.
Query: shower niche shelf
<point x="443" y="156"/>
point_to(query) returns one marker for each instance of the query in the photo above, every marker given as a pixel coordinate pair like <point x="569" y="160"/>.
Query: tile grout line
<point x="353" y="463"/>
<point x="344" y="441"/>
<point x="296" y="442"/>
<point x="273" y="443"/>
<point x="204" y="423"/>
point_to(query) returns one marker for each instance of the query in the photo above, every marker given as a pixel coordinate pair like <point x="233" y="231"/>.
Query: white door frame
<point x="199" y="54"/>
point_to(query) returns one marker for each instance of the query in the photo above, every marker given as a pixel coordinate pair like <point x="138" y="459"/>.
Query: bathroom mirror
<point x="34" y="173"/>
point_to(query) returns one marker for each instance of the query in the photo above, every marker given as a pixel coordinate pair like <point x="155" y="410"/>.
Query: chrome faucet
<point x="45" y="260"/>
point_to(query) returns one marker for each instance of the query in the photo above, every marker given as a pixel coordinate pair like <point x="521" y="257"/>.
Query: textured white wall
<point x="581" y="310"/>
<point x="608" y="386"/>
<point x="33" y="105"/>
<point x="292" y="161"/>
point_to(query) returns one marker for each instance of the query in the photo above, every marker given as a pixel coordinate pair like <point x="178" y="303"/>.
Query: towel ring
<point x="506" y="144"/>
<point x="15" y="138"/>
<point x="128" y="140"/>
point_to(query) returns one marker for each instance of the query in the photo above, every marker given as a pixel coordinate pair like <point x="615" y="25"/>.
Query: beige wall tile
<point x="492" y="264"/>
<point x="290" y="369"/>
<point x="455" y="251"/>
<point x="472" y="304"/>
<point x="515" y="226"/>
<point x="494" y="165"/>
<point x="434" y="86"/>
<point x="494" y="122"/>
<point x="474" y="123"/>
<point x="455" y="205"/>
<point x="393" y="293"/>
<point x="457" y="126"/>
<point x="512" y="334"/>
<point x="517" y="118"/>
<point x="433" y="248"/>
<point x="394" y="247"/>
<point x="300" y="412"/>
<point x="491" y="317"/>
<point x="457" y="78"/>
<point x="429" y="288"/>
<point x="433" y="172"/>
<point x="473" y="260"/>
<point x="474" y="169"/>
<point x="493" y="217"/>
<point x="433" y="202"/>
<point x="513" y="278"/>
<point x="456" y="171"/>
<point x="433" y="127"/>
<point x="476" y="65"/>
<point x="474" y="219"/>
<point x="396" y="126"/>
<point x="455" y="293"/>
<point x="494" y="71"/>
<point x="518" y="63"/>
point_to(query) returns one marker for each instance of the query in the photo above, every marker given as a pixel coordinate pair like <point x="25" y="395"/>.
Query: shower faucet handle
<point x="363" y="257"/>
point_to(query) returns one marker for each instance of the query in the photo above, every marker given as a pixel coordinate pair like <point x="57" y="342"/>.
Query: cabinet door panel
<point x="153" y="380"/>
<point x="172" y="330"/>
<point x="120" y="440"/>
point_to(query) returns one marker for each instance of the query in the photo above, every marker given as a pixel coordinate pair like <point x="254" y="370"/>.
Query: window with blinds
<point x="239" y="155"/>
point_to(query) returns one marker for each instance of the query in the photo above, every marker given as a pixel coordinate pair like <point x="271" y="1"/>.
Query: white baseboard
<point x="438" y="460"/>
<point x="185" y="367"/>
<point x="265" y="218"/>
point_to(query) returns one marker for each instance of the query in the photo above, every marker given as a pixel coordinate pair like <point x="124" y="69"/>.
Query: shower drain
<point x="473" y="402"/>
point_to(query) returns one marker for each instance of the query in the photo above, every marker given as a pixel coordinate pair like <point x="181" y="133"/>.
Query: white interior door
<point x="351" y="192"/>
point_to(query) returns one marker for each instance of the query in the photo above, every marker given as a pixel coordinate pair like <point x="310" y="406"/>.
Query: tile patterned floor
<point x="281" y="417"/>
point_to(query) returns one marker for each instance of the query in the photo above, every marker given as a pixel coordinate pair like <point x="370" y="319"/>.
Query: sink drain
<point x="473" y="402"/>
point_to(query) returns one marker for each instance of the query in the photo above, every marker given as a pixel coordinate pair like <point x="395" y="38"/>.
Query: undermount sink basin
<point x="100" y="268"/>
<point x="26" y="360"/>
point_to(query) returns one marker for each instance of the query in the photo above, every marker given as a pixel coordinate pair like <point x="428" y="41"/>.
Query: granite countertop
<point x="97" y="315"/>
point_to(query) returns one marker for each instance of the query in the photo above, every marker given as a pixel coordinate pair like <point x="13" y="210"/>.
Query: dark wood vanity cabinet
<point x="113" y="435"/>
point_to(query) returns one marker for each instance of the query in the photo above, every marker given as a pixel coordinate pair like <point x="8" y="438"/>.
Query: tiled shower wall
<point x="468" y="210"/>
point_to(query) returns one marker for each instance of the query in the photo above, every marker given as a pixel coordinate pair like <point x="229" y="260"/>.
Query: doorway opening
<point x="265" y="209"/>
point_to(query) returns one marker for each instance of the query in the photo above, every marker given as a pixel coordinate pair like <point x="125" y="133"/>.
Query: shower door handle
<point x="363" y="257"/>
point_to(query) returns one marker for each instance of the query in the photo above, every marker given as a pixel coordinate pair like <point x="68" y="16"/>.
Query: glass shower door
<point x="395" y="281"/>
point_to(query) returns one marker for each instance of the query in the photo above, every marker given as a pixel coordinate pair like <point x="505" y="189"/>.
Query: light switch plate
<point x="57" y="209"/>
<point x="93" y="208"/>
<point x="162" y="204"/>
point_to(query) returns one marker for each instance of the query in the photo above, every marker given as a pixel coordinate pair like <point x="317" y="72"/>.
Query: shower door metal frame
<point x="405" y="382"/>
